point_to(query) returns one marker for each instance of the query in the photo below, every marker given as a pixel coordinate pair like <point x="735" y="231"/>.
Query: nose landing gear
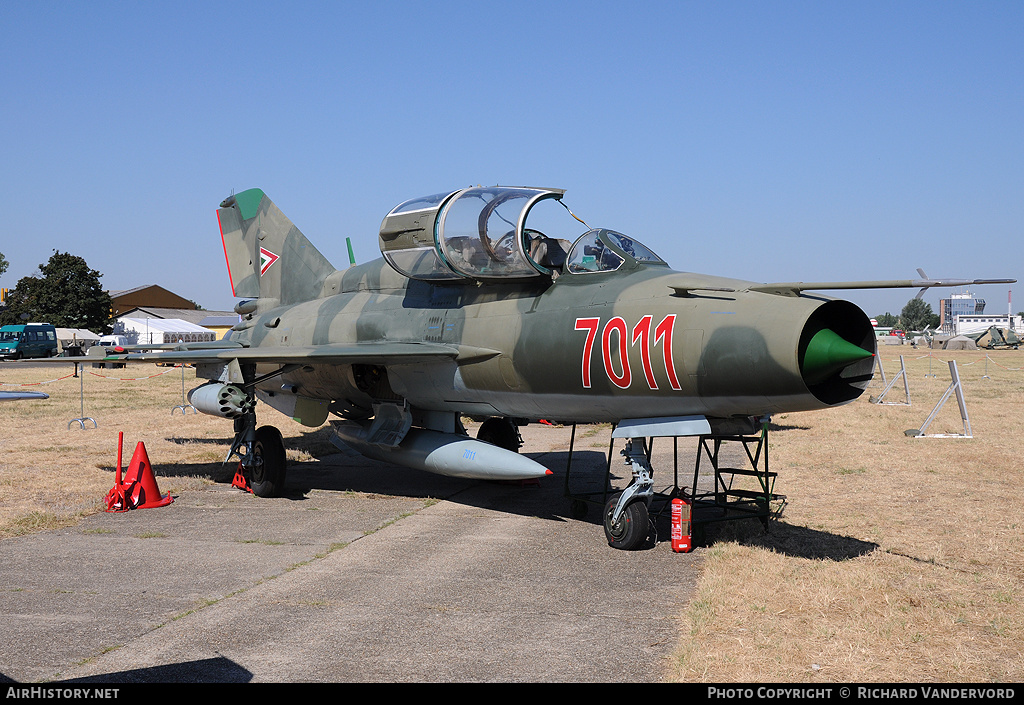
<point x="626" y="518"/>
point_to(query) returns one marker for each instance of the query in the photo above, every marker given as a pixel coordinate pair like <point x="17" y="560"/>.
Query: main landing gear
<point x="501" y="432"/>
<point x="262" y="465"/>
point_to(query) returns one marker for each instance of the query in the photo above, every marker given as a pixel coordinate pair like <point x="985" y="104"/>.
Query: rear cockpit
<point x="482" y="234"/>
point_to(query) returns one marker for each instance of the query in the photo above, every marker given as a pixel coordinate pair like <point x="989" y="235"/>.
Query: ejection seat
<point x="548" y="251"/>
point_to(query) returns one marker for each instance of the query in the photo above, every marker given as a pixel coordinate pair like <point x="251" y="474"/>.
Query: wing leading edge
<point x="924" y="283"/>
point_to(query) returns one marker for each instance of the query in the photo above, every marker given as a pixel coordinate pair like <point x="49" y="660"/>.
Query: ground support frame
<point x="725" y="502"/>
<point x="722" y="502"/>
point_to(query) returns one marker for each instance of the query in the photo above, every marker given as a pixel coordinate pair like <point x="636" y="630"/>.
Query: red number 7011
<point x="616" y="328"/>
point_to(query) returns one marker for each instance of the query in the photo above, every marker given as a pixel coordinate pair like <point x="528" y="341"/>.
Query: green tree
<point x="917" y="315"/>
<point x="68" y="295"/>
<point x="887" y="320"/>
<point x="3" y="264"/>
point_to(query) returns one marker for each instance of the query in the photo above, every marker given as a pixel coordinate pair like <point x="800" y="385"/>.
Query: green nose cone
<point x="827" y="353"/>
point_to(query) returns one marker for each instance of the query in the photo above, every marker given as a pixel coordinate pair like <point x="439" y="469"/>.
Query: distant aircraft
<point x="21" y="396"/>
<point x="473" y="311"/>
<point x="995" y="337"/>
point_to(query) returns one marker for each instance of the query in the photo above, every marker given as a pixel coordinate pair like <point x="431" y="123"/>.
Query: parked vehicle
<point x="112" y="341"/>
<point x="28" y="340"/>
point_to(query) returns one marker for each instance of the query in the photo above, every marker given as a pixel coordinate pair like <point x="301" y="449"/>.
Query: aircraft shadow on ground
<point x="210" y="670"/>
<point x="789" y="540"/>
<point x="550" y="498"/>
<point x="772" y="427"/>
<point x="331" y="470"/>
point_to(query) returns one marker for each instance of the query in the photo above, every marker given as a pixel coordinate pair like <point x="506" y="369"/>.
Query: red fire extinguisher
<point x="682" y="541"/>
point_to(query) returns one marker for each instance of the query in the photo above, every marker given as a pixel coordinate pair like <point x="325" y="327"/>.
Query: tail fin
<point x="267" y="256"/>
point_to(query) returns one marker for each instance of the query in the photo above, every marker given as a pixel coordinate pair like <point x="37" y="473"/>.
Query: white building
<point x="967" y="324"/>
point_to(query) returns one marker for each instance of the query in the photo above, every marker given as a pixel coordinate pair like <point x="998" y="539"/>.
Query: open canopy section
<point x="476" y="233"/>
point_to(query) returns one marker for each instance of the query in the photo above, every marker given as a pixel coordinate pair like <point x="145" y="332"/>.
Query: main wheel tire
<point x="269" y="465"/>
<point x="631" y="530"/>
<point x="500" y="432"/>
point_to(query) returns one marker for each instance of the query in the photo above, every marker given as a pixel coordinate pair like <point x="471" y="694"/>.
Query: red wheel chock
<point x="240" y="481"/>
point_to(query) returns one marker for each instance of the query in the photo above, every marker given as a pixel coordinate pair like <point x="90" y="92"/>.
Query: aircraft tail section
<point x="267" y="256"/>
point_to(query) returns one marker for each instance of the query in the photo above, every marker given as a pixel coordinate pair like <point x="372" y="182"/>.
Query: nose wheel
<point x="630" y="528"/>
<point x="626" y="519"/>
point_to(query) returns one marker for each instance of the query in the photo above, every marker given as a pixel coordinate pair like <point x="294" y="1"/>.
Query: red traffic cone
<point x="140" y="483"/>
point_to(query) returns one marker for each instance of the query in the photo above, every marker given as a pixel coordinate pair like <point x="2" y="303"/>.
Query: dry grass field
<point x="895" y="558"/>
<point x="52" y="471"/>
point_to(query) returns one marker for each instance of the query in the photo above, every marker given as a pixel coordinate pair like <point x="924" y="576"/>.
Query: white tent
<point x="144" y="331"/>
<point x="76" y="336"/>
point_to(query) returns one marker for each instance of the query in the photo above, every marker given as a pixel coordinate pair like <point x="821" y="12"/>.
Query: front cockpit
<point x="602" y="250"/>
<point x="482" y="234"/>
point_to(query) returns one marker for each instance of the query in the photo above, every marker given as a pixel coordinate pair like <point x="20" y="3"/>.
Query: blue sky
<point x="770" y="141"/>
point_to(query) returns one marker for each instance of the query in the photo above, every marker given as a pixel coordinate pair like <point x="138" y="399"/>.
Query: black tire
<point x="631" y="530"/>
<point x="501" y="432"/>
<point x="269" y="465"/>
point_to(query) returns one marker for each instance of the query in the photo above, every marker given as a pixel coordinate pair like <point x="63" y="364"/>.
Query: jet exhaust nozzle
<point x="828" y="353"/>
<point x="228" y="401"/>
<point x="836" y="354"/>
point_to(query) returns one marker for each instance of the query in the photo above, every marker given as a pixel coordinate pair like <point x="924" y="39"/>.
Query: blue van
<point x="29" y="340"/>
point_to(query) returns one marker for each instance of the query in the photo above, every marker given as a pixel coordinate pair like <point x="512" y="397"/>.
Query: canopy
<point x="476" y="233"/>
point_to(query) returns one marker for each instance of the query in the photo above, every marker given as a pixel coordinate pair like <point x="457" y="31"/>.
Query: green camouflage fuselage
<point x="589" y="347"/>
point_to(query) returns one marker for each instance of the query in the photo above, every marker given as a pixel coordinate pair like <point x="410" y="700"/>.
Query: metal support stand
<point x="881" y="371"/>
<point x="954" y="386"/>
<point x="724" y="502"/>
<point x="906" y="386"/>
<point x="184" y="402"/>
<point x="580" y="501"/>
<point x="81" y="395"/>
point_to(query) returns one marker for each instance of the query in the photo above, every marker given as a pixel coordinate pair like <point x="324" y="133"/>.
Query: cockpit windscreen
<point x="595" y="251"/>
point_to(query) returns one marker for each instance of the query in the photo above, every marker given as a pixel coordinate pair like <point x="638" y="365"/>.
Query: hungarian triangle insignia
<point x="267" y="258"/>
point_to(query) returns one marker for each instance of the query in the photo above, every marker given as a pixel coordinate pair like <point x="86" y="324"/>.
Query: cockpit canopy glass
<point x="633" y="248"/>
<point x="476" y="233"/>
<point x="407" y="239"/>
<point x="595" y="251"/>
<point x="480" y="232"/>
